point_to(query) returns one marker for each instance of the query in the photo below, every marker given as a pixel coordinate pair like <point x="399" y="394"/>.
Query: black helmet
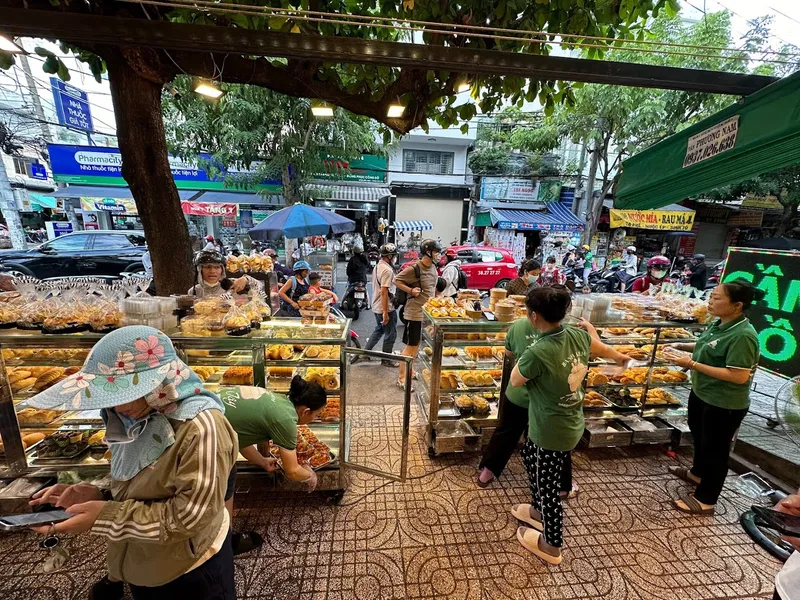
<point x="208" y="257"/>
<point x="428" y="247"/>
<point x="388" y="250"/>
<point x="699" y="257"/>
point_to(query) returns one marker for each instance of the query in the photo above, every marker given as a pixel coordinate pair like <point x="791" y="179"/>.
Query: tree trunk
<point x="591" y="225"/>
<point x="145" y="166"/>
<point x="789" y="213"/>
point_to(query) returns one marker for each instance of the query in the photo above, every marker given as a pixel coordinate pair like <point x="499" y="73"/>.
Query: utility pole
<point x="8" y="207"/>
<point x="35" y="100"/>
<point x="587" y="201"/>
<point x="579" y="206"/>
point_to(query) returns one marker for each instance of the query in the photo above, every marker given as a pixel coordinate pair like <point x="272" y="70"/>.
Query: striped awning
<point x="359" y="193"/>
<point x="557" y="217"/>
<point x="412" y="225"/>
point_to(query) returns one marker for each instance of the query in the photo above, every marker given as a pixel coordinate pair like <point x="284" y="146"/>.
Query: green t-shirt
<point x="734" y="344"/>
<point x="556" y="365"/>
<point x="258" y="415"/>
<point x="520" y="335"/>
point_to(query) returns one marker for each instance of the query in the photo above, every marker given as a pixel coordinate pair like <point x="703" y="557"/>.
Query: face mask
<point x="658" y="274"/>
<point x="532" y="278"/>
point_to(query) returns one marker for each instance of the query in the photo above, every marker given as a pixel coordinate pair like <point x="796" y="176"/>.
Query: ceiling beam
<point x="97" y="29"/>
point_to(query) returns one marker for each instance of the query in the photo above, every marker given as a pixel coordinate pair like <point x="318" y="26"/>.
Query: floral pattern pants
<point x="545" y="471"/>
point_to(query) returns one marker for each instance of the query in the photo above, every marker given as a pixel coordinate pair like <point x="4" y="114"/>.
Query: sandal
<point x="245" y="542"/>
<point x="529" y="538"/>
<point x="682" y="473"/>
<point x="522" y="512"/>
<point x="402" y="385"/>
<point x="694" y="507"/>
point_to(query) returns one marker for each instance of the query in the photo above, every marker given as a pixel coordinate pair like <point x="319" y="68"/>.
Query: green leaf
<point x="63" y="71"/>
<point x="276" y="22"/>
<point x="42" y="51"/>
<point x="50" y="65"/>
<point x="500" y="10"/>
<point x="465" y="128"/>
<point x="6" y="60"/>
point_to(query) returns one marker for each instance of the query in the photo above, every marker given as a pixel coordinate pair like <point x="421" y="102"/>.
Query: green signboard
<point x="776" y="318"/>
<point x="368" y="167"/>
<point x="549" y="191"/>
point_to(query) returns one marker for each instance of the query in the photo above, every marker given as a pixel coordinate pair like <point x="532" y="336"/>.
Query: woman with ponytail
<point x="722" y="363"/>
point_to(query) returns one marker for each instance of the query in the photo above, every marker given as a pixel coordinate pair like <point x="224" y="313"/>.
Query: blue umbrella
<point x="299" y="221"/>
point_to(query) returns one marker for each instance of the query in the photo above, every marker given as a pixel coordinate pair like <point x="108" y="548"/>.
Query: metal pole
<point x="8" y="207"/>
<point x="35" y="100"/>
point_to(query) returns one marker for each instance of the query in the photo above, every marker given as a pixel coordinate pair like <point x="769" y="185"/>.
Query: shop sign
<point x="72" y="105"/>
<point x="57" y="229"/>
<point x="549" y="191"/>
<point x="746" y="218"/>
<point x="776" y="318"/>
<point x="768" y="202"/>
<point x="229" y="221"/>
<point x="368" y="167"/>
<point x="658" y="220"/>
<point x="113" y="205"/>
<point x="210" y="209"/>
<point x="519" y="189"/>
<point x="98" y="165"/>
<point x="711" y="142"/>
<point x="38" y="171"/>
<point x="712" y="214"/>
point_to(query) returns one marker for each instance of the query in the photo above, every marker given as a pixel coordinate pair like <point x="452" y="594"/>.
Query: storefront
<point x="363" y="203"/>
<point x="653" y="232"/>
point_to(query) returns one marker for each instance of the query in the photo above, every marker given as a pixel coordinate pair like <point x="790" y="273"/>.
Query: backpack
<point x="401" y="296"/>
<point x="461" y="282"/>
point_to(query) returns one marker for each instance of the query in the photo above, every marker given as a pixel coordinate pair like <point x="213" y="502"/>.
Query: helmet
<point x="208" y="257"/>
<point x="586" y="247"/>
<point x="699" y="257"/>
<point x="658" y="261"/>
<point x="357" y="249"/>
<point x="301" y="265"/>
<point x="270" y="252"/>
<point x="451" y="253"/>
<point x="631" y="249"/>
<point x="388" y="250"/>
<point x="570" y="247"/>
<point x="209" y="238"/>
<point x="428" y="247"/>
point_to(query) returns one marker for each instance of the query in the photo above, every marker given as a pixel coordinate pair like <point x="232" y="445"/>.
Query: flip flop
<point x="694" y="507"/>
<point x="529" y="538"/>
<point x="522" y="512"/>
<point x="682" y="473"/>
<point x="402" y="385"/>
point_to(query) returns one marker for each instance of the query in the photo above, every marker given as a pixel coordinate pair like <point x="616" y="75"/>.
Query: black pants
<point x="505" y="438"/>
<point x="713" y="429"/>
<point x="545" y="470"/>
<point x="213" y="580"/>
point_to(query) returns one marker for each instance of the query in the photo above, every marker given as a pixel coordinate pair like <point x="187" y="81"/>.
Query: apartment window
<point x="426" y="161"/>
<point x="21" y="165"/>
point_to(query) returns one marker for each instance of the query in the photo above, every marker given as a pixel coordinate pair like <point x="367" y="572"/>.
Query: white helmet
<point x="631" y="249"/>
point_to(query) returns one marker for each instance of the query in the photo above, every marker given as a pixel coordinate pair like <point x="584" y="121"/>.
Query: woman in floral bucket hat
<point x="172" y="451"/>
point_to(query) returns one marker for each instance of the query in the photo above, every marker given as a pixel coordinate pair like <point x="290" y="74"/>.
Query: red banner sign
<point x="210" y="209"/>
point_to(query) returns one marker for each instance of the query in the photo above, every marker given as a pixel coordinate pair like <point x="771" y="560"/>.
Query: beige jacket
<point x="162" y="521"/>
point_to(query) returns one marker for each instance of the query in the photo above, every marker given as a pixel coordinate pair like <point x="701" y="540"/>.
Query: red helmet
<point x="451" y="253"/>
<point x="658" y="261"/>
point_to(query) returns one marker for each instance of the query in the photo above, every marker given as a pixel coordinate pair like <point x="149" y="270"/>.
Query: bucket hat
<point x="127" y="364"/>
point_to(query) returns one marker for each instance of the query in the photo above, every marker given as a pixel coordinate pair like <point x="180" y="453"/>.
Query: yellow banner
<point x="121" y="206"/>
<point x="660" y="220"/>
<point x="753" y="201"/>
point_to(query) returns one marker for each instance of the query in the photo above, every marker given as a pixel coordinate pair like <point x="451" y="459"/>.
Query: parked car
<point x="484" y="267"/>
<point x="84" y="253"/>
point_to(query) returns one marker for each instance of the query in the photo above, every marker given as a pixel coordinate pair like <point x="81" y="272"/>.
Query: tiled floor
<point x="439" y="536"/>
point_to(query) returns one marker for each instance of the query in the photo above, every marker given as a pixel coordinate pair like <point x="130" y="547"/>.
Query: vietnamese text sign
<point x="746" y="218"/>
<point x="114" y="205"/>
<point x="769" y="202"/>
<point x="711" y="142"/>
<point x="97" y="165"/>
<point x="776" y="318"/>
<point x="549" y="191"/>
<point x="72" y="105"/>
<point x="368" y="167"/>
<point x="508" y="188"/>
<point x="210" y="209"/>
<point x="712" y="214"/>
<point x="658" y="220"/>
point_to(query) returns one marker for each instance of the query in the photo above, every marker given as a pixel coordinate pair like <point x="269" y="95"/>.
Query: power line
<point x="23" y="115"/>
<point x="785" y="15"/>
<point x="746" y="20"/>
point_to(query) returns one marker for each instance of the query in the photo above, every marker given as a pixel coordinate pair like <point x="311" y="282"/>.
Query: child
<point x="316" y="288"/>
<point x="550" y="275"/>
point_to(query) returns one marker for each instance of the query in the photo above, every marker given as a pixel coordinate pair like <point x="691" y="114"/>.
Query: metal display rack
<point x="219" y="353"/>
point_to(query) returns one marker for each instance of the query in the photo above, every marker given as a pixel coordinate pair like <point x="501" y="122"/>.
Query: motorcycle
<point x="355" y="298"/>
<point x="611" y="280"/>
<point x="374" y="255"/>
<point x="353" y="340"/>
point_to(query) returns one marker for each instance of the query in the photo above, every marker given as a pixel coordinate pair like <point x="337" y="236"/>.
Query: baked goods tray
<point x="608" y="396"/>
<point x="273" y="450"/>
<point x="83" y="417"/>
<point x="34" y="459"/>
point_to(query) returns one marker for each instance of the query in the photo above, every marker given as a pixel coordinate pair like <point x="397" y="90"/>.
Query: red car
<point x="484" y="267"/>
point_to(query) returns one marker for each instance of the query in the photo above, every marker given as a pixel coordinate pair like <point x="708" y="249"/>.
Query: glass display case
<point x="324" y="263"/>
<point x="268" y="357"/>
<point x="463" y="373"/>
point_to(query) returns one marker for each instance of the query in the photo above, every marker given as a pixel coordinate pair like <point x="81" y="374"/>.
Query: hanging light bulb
<point x="208" y="89"/>
<point x="395" y="111"/>
<point x="322" y="110"/>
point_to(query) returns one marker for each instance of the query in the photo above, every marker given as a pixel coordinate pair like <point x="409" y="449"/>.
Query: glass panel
<point x="376" y="414"/>
<point x="68" y="242"/>
<point x="110" y="242"/>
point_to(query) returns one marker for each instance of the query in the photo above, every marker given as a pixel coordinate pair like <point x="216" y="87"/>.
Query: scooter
<point x="374" y="255"/>
<point x="611" y="280"/>
<point x="355" y="298"/>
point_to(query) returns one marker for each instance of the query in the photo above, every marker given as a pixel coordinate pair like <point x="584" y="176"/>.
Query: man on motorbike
<point x="698" y="273"/>
<point x="357" y="266"/>
<point x="657" y="269"/>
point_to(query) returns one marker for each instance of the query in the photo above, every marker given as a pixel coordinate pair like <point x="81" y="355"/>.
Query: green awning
<point x="42" y="201"/>
<point x="483" y="220"/>
<point x="757" y="135"/>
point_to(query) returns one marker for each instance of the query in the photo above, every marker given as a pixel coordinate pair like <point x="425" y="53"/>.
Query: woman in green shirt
<point x="552" y="370"/>
<point x="723" y="362"/>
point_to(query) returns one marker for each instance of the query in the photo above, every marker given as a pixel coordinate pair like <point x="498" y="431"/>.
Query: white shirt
<point x="147" y="263"/>
<point x="450" y="275"/>
<point x="787" y="581"/>
<point x="631" y="263"/>
<point x="209" y="246"/>
<point x="382" y="277"/>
